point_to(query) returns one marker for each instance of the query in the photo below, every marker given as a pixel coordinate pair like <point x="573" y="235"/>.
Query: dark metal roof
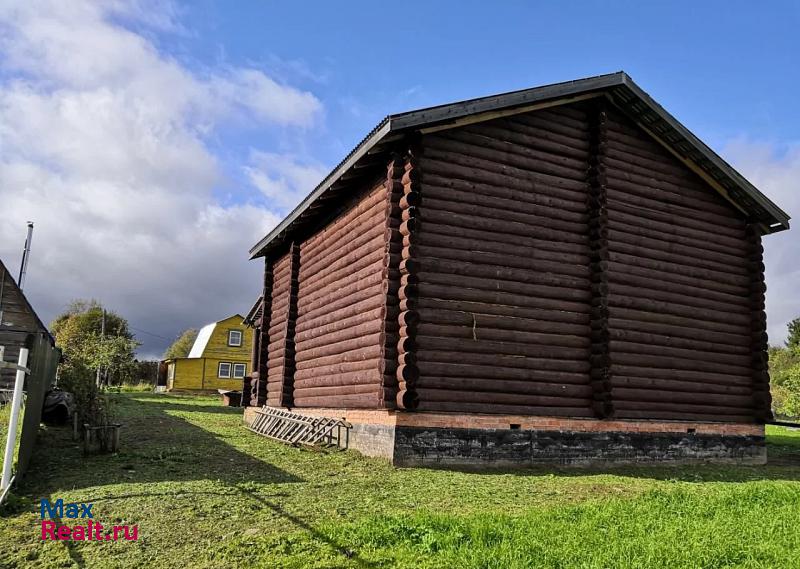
<point x="254" y="313"/>
<point x="370" y="153"/>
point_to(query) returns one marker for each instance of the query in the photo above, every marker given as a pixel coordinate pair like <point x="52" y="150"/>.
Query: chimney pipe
<point x="26" y="253"/>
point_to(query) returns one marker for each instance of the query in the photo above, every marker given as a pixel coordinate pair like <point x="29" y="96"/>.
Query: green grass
<point x="205" y="492"/>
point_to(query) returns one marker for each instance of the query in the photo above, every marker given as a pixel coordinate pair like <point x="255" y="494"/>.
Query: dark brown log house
<point x="559" y="274"/>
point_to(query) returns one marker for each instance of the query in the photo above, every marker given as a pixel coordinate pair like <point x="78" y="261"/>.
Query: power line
<point x="148" y="333"/>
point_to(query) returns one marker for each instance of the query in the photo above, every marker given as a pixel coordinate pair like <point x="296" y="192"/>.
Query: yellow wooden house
<point x="219" y="358"/>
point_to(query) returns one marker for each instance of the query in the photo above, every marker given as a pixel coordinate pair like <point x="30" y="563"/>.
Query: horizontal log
<point x="551" y="149"/>
<point x="492" y="367"/>
<point x="362" y="240"/>
<point x="687" y="354"/>
<point x="551" y="317"/>
<point x="578" y="275"/>
<point x="621" y="155"/>
<point x="555" y="123"/>
<point x="678" y="243"/>
<point x="711" y="319"/>
<point x="339" y="347"/>
<point x="678" y="228"/>
<point x="460" y="242"/>
<point x="343" y="335"/>
<point x="456" y="350"/>
<point x="565" y="334"/>
<point x="372" y="352"/>
<point x="522" y="299"/>
<point x="677" y="385"/>
<point x="744" y="402"/>
<point x="492" y="211"/>
<point x="686" y="180"/>
<point x="484" y="171"/>
<point x="359" y="377"/>
<point x="531" y="275"/>
<point x="645" y="277"/>
<point x="503" y="198"/>
<point x="664" y="250"/>
<point x="336" y="390"/>
<point x="582" y="392"/>
<point x="498" y="409"/>
<point x="307" y="323"/>
<point x="547" y="345"/>
<point x="480" y="223"/>
<point x="682" y="214"/>
<point x="366" y="207"/>
<point x="365" y="266"/>
<point x="366" y="278"/>
<point x="340" y="299"/>
<point x="547" y="131"/>
<point x="337" y="325"/>
<point x="491" y="397"/>
<point x="357" y="401"/>
<point x="310" y="369"/>
<point x="658" y="341"/>
<point x="669" y="193"/>
<point x="682" y="363"/>
<point x="681" y="374"/>
<point x="682" y="301"/>
<point x="492" y="150"/>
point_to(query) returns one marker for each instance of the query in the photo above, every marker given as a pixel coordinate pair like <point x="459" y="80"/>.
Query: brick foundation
<point x="502" y="441"/>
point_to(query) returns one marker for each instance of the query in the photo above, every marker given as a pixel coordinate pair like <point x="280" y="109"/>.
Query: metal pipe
<point x="26" y="253"/>
<point x="13" y="423"/>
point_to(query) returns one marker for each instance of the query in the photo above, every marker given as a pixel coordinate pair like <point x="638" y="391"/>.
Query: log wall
<point x="503" y="267"/>
<point x="341" y="308"/>
<point x="559" y="262"/>
<point x="684" y="291"/>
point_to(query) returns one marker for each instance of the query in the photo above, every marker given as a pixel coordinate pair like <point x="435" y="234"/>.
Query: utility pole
<point x="102" y="337"/>
<point x="26" y="253"/>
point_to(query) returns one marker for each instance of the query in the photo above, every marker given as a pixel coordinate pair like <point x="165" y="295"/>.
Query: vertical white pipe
<point x="13" y="423"/>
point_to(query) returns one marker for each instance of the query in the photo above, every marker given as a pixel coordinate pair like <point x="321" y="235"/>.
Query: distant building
<point x="219" y="358"/>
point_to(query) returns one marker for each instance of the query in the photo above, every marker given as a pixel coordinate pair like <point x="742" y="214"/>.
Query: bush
<point x="784" y="368"/>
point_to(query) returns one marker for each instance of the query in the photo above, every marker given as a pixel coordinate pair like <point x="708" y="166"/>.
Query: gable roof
<point x="204" y="335"/>
<point x="7" y="282"/>
<point x="371" y="154"/>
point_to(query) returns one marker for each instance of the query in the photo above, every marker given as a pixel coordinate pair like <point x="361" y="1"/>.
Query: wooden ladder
<point x="296" y="429"/>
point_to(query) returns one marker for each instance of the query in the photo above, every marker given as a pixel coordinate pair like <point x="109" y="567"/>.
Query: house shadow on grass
<point x="160" y="442"/>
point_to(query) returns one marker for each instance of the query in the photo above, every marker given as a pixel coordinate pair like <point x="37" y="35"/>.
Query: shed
<point x="559" y="274"/>
<point x="19" y="326"/>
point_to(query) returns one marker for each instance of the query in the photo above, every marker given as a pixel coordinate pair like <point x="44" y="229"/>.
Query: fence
<point x="41" y="370"/>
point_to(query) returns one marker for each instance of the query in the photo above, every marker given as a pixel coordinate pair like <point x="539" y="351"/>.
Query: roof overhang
<point x="372" y="152"/>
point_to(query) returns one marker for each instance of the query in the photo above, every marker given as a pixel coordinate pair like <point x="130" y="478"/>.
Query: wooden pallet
<point x="296" y="429"/>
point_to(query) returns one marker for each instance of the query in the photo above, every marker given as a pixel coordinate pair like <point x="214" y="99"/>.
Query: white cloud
<point x="284" y="179"/>
<point x="104" y="144"/>
<point x="777" y="174"/>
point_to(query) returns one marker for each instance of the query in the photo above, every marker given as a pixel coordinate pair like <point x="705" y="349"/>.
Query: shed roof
<point x="372" y="152"/>
<point x="8" y="282"/>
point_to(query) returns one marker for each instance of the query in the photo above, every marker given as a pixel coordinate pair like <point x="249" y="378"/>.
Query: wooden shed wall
<point x="679" y="287"/>
<point x="504" y="281"/>
<point x="341" y="299"/>
<point x="277" y="331"/>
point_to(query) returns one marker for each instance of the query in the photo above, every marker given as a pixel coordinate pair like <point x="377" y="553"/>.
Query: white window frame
<point x="219" y="370"/>
<point x="243" y="368"/>
<point x="230" y="340"/>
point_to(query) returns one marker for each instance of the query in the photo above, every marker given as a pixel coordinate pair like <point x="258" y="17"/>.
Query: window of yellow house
<point x="224" y="370"/>
<point x="239" y="370"/>
<point x="235" y="338"/>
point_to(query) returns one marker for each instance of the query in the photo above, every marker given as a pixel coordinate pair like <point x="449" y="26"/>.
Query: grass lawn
<point x="205" y="492"/>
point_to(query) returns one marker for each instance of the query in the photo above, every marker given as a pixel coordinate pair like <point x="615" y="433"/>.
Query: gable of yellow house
<point x="219" y="358"/>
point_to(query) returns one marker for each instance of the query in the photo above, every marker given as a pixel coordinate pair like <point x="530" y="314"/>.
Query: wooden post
<point x="287" y="399"/>
<point x="762" y="400"/>
<point x="258" y="397"/>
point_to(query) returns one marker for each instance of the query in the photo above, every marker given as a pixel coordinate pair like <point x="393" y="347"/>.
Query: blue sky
<point x="222" y="115"/>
